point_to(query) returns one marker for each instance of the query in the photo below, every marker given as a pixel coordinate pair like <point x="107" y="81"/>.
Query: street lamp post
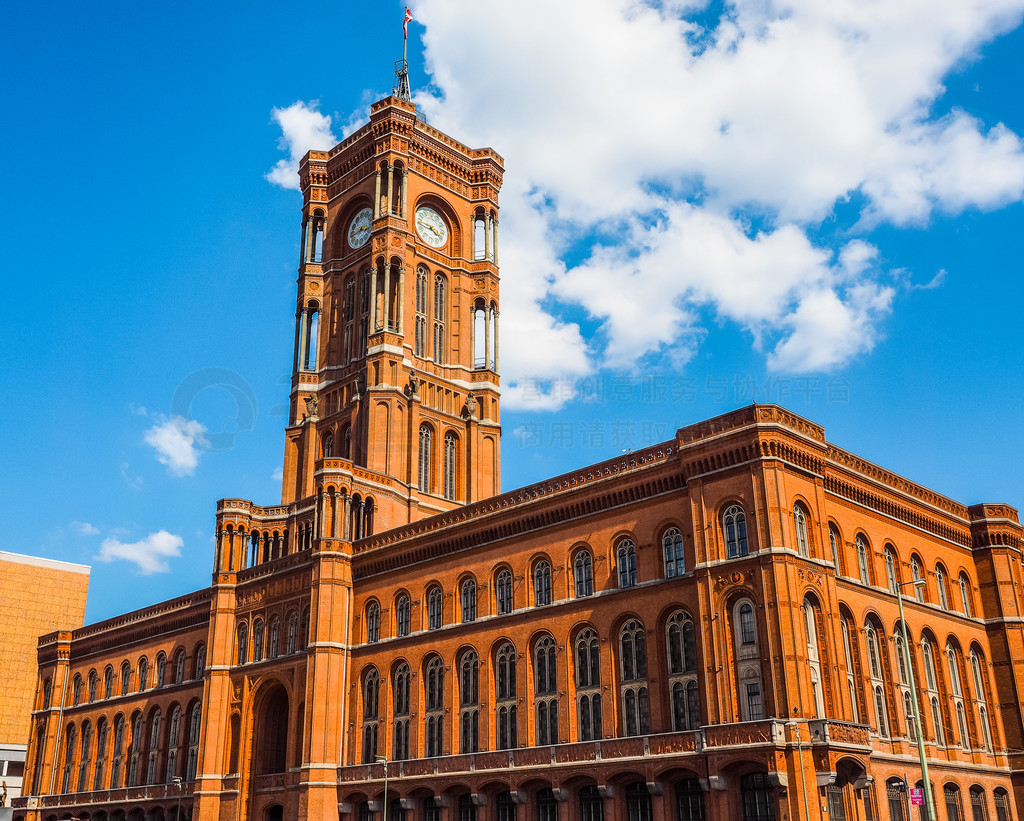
<point x="178" y="784"/>
<point x="384" y="812"/>
<point x="929" y="805"/>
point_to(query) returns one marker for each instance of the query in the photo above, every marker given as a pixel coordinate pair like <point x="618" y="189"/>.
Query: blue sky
<point x="704" y="205"/>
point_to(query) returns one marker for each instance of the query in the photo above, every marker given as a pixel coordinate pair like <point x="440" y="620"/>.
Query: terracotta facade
<point x="705" y="628"/>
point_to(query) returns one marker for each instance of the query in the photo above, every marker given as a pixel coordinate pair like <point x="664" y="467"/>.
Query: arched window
<point x="161" y="669"/>
<point x="891" y="571"/>
<point x="863" y="566"/>
<point x="76" y="691"/>
<point x="426" y="448"/>
<point x="954" y="806"/>
<point x="293" y="632"/>
<point x="542" y="583"/>
<point x="401" y="682"/>
<point x="469" y="703"/>
<point x="814" y="656"/>
<point x="115" y="759"/>
<point x="672" y="549"/>
<point x="467" y="598"/>
<point x="102" y="731"/>
<point x="895" y="797"/>
<point x="135" y="750"/>
<point x="940" y="586"/>
<point x="917" y="575"/>
<point x="903" y="683"/>
<point x="403" y="615"/>
<point x="625" y="562"/>
<point x="434" y="713"/>
<point x="978" y="809"/>
<point x="349" y="314"/>
<point x="451" y="473"/>
<point x="434" y="612"/>
<point x="173" y="740"/>
<point x="690" y="800"/>
<point x="70" y="736"/>
<point x="439" y="318"/>
<point x="108" y="682"/>
<point x="506" y="693"/>
<point x="327" y="445"/>
<point x="547" y="805"/>
<point x="834" y="542"/>
<point x="583" y="573"/>
<point x="758" y="797"/>
<point x="638" y="802"/>
<point x="93" y="684"/>
<point x="587" y="650"/>
<point x="965" y="595"/>
<point x="274" y="648"/>
<point x="372" y="622"/>
<point x="803" y="542"/>
<point x="1002" y="799"/>
<point x="734" y="526"/>
<point x="545" y="685"/>
<point x="957" y="691"/>
<point x="633" y="682"/>
<point x="242" y="642"/>
<point x="420" y="335"/>
<point x="851" y="677"/>
<point x="981" y="699"/>
<point x="503" y="592"/>
<point x="748" y="661"/>
<point x="85" y="757"/>
<point x="154" y="746"/>
<point x="126" y="677"/>
<point x="875" y="673"/>
<point x="371" y="707"/>
<point x="143" y="674"/>
<point x="194" y="726"/>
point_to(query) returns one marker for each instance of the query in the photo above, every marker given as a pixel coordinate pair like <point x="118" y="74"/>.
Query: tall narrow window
<point x="76" y="691"/>
<point x="371" y="706"/>
<point x="426" y="443"/>
<point x="242" y="641"/>
<point x="451" y="462"/>
<point x="625" y="561"/>
<point x="70" y="736"/>
<point x="115" y="761"/>
<point x="978" y="810"/>
<point x="434" y="612"/>
<point x="293" y="632"/>
<point x="917" y="575"/>
<point x="143" y="674"/>
<point x="638" y="802"/>
<point x="108" y="682"/>
<point x="542" y="583"/>
<point x="503" y="592"/>
<point x="469" y="703"/>
<point x="349" y="314"/>
<point x="834" y="541"/>
<point x="403" y="615"/>
<point x="439" y="317"/>
<point x="434" y="713"/>
<point x="954" y="807"/>
<point x="734" y="526"/>
<point x="690" y="800"/>
<point x="591" y="804"/>
<point x="633" y="671"/>
<point x="85" y="757"/>
<point x="1002" y="799"/>
<point x="154" y="746"/>
<point x="748" y="662"/>
<point x="803" y="543"/>
<point x="891" y="574"/>
<point x="257" y="640"/>
<point x="194" y="726"/>
<point x="372" y="622"/>
<point x="851" y="678"/>
<point x="135" y="751"/>
<point x="467" y="598"/>
<point x="547" y="805"/>
<point x="875" y="673"/>
<point x="965" y="595"/>
<point x="587" y="651"/>
<point x="173" y="740"/>
<point x="420" y="335"/>
<point x="758" y="797"/>
<point x="863" y="568"/>
<point x="813" y="657"/>
<point x="672" y="548"/>
<point x="981" y="700"/>
<point x="364" y="312"/>
<point x="101" y="753"/>
<point x="93" y="684"/>
<point x="545" y="685"/>
<point x="940" y="586"/>
<point x="400" y="705"/>
<point x="583" y="574"/>
<point x="506" y="693"/>
<point x="957" y="691"/>
<point x="126" y="678"/>
<point x="274" y="649"/>
<point x="682" y="672"/>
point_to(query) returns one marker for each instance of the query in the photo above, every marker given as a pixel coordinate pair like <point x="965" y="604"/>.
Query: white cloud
<point x="85" y="528"/>
<point x="177" y="442"/>
<point x="303" y="128"/>
<point x="278" y="474"/>
<point x="149" y="555"/>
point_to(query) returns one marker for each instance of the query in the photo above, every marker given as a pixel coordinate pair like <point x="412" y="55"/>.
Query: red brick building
<point x="707" y="628"/>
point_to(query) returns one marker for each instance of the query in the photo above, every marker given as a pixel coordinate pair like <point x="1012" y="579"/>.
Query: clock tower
<point x="395" y="409"/>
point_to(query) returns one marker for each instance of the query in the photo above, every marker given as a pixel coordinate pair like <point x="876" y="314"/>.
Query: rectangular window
<point x="755" y="710"/>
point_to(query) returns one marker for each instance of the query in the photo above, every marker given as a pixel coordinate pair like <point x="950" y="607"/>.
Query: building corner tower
<point x="394" y="398"/>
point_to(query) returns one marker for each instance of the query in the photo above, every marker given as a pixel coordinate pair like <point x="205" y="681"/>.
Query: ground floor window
<point x="689" y="800"/>
<point x="591" y="805"/>
<point x="638" y="802"/>
<point x="836" y="805"/>
<point x="758" y="797"/>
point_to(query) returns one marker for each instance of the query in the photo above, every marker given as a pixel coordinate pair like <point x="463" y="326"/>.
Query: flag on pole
<point x="405" y="22"/>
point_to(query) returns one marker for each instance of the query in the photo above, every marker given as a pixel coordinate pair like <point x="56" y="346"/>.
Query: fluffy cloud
<point x="302" y="128"/>
<point x="85" y="528"/>
<point x="177" y="442"/>
<point x="670" y="162"/>
<point x="149" y="555"/>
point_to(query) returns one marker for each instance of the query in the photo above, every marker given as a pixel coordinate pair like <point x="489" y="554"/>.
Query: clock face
<point x="431" y="227"/>
<point x="359" y="228"/>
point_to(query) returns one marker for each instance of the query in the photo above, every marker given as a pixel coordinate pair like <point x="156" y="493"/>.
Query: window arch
<point x="102" y="731"/>
<point x="503" y="592"/>
<point x="903" y="682"/>
<point x="155" y="725"/>
<point x="981" y="699"/>
<point x="965" y="596"/>
<point x="161" y="669"/>
<point x="126" y="677"/>
<point x="371" y="707"/>
<point x="372" y="622"/>
<point x="274" y="643"/>
<point x="426" y="446"/>
<point x="85" y="756"/>
<point x="633" y="679"/>
<point x="672" y="550"/>
<point x="76" y="691"/>
<point x="199" y="668"/>
<point x="435" y="616"/>
<point x="892" y="576"/>
<point x="542" y="583"/>
<point x="734" y="528"/>
<point x="625" y="563"/>
<point x="876" y="676"/>
<point x="420" y="335"/>
<point x="293" y="632"/>
<point x="434" y="713"/>
<point x="173" y="740"/>
<point x="93" y="684"/>
<point x="440" y="301"/>
<point x="583" y="573"/>
<point x="851" y="659"/>
<point x="403" y="615"/>
<point x="954" y="804"/>
<point x="863" y="560"/>
<point x="940" y="586"/>
<point x="400" y="683"/>
<point x="143" y="673"/>
<point x="814" y="654"/>
<point x="467" y="600"/>
<point x="748" y="662"/>
<point x="545" y="686"/>
<point x="70" y="736"/>
<point x="108" y="682"/>
<point x="257" y="641"/>
<point x="241" y="642"/>
<point x="835" y="542"/>
<point x="451" y="471"/>
<point x="917" y="575"/>
<point x="587" y="652"/>
<point x="957" y="694"/>
<point x="803" y="542"/>
<point x="327" y="445"/>
<point x="505" y="695"/>
<point x="469" y="702"/>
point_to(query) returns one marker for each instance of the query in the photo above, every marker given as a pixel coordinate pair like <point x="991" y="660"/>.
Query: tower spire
<point x="401" y="89"/>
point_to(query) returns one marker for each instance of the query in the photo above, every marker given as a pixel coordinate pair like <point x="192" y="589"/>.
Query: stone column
<point x="405" y="193"/>
<point x="347" y="532"/>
